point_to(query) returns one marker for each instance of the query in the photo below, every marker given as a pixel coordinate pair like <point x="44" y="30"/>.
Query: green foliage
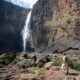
<point x="7" y="58"/>
<point x="23" y="63"/>
<point x="40" y="64"/>
<point x="29" y="61"/>
<point x="43" y="60"/>
<point x="16" y="60"/>
<point x="37" y="70"/>
<point x="26" y="63"/>
<point x="56" y="61"/>
<point x="74" y="64"/>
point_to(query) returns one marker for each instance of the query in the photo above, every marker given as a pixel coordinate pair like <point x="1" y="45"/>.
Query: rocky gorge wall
<point x="12" y="20"/>
<point x="56" y="26"/>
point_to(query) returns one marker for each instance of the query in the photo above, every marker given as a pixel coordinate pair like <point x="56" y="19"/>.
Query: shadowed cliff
<point x="12" y="20"/>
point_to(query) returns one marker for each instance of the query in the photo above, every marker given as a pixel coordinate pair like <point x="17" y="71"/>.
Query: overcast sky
<point x="24" y="3"/>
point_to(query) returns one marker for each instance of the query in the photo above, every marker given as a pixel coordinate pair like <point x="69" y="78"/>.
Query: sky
<point x="24" y="3"/>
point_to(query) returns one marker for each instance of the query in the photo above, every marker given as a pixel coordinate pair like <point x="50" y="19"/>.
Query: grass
<point x="37" y="70"/>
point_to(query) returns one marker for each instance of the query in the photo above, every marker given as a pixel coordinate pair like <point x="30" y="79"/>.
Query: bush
<point x="25" y="63"/>
<point x="56" y="61"/>
<point x="74" y="64"/>
<point x="37" y="70"/>
<point x="29" y="62"/>
<point x="43" y="60"/>
<point x="16" y="60"/>
<point x="7" y="58"/>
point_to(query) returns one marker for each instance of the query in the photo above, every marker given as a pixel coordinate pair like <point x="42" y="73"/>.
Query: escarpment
<point x="12" y="20"/>
<point x="55" y="25"/>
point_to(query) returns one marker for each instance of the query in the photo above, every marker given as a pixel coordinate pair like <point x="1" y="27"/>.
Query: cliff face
<point x="56" y="26"/>
<point x="12" y="20"/>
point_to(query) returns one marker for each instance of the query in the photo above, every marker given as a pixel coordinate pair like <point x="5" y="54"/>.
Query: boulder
<point x="48" y="65"/>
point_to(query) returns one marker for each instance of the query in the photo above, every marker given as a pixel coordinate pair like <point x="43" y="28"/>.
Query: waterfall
<point x="26" y="31"/>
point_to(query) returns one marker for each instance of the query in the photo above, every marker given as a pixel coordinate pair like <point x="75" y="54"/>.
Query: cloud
<point x="24" y="3"/>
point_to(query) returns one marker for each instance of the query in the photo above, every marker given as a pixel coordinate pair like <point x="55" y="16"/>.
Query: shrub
<point x="7" y="58"/>
<point x="25" y="63"/>
<point x="29" y="62"/>
<point x="56" y="61"/>
<point x="37" y="70"/>
<point x="74" y="64"/>
<point x="43" y="60"/>
<point x="16" y="60"/>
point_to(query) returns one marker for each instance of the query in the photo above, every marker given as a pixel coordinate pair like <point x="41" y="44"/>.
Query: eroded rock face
<point x="56" y="26"/>
<point x="12" y="20"/>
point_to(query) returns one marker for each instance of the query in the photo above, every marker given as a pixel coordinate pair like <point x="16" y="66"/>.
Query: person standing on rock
<point x="64" y="65"/>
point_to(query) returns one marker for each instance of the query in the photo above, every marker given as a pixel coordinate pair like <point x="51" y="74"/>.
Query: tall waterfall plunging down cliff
<point x="26" y="29"/>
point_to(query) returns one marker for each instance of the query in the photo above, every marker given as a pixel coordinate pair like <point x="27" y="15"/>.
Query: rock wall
<point x="12" y="20"/>
<point x="56" y="26"/>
